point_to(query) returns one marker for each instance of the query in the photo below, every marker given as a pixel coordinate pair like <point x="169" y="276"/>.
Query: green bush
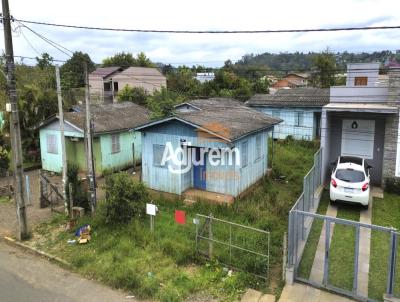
<point x="125" y="198"/>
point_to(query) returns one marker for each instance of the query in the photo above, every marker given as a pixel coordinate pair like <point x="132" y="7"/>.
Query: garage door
<point x="358" y="138"/>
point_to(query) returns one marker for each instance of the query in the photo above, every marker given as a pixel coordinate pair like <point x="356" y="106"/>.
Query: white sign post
<point x="151" y="210"/>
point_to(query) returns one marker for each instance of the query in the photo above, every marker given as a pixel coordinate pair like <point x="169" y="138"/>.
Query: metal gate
<point x="49" y="194"/>
<point x="237" y="246"/>
<point x="344" y="268"/>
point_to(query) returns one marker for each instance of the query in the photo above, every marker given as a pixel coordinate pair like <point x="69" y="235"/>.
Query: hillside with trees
<point x="280" y="63"/>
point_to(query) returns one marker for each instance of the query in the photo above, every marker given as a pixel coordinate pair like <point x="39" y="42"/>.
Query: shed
<point x="115" y="144"/>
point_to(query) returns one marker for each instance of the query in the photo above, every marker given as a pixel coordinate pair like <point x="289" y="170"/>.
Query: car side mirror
<point x="333" y="163"/>
<point x="369" y="167"/>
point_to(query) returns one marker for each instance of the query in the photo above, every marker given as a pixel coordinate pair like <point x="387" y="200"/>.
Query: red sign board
<point x="180" y="217"/>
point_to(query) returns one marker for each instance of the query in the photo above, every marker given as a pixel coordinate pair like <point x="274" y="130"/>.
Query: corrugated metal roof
<point x="233" y="117"/>
<point x="140" y="71"/>
<point x="297" y="97"/>
<point x="108" y="117"/>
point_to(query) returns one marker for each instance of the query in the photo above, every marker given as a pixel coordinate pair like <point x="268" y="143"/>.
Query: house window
<point x="244" y="154"/>
<point x="360" y="81"/>
<point x="299" y="118"/>
<point x="51" y="140"/>
<point x="158" y="152"/>
<point x="115" y="145"/>
<point x="258" y="147"/>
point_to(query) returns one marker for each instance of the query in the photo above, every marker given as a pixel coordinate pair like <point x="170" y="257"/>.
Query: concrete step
<point x="252" y="295"/>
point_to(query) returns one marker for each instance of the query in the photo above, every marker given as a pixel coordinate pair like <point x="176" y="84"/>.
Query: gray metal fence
<point x="326" y="267"/>
<point x="306" y="202"/>
<point x="237" y="246"/>
<point x="344" y="267"/>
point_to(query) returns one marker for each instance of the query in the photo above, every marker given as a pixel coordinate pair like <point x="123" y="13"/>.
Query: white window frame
<point x="162" y="149"/>
<point x="397" y="168"/>
<point x="297" y="121"/>
<point x="51" y="143"/>
<point x="258" y="142"/>
<point x="115" y="143"/>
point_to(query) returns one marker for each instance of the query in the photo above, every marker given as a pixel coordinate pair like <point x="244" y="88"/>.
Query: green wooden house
<point x="116" y="145"/>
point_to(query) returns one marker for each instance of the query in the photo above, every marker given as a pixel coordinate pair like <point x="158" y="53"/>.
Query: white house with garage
<point x="362" y="119"/>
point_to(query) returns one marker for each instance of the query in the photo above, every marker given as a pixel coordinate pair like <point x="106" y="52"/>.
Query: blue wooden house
<point x="213" y="149"/>
<point x="299" y="108"/>
<point x="115" y="145"/>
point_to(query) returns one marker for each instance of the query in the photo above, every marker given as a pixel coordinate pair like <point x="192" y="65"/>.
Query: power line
<point x="267" y="31"/>
<point x="59" y="47"/>
<point x="34" y="58"/>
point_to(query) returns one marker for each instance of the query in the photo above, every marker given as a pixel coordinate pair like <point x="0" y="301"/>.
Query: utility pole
<point x="15" y="131"/>
<point x="63" y="151"/>
<point x="89" y="147"/>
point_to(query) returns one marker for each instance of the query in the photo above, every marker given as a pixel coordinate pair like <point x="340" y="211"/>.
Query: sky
<point x="204" y="49"/>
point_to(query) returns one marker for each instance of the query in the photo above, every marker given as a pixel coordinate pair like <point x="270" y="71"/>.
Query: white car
<point x="350" y="181"/>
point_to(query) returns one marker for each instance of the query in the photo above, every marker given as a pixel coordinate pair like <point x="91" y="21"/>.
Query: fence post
<point x="290" y="239"/>
<point x="296" y="238"/>
<point x="230" y="244"/>
<point x="197" y="234"/>
<point x="392" y="263"/>
<point x="41" y="199"/>
<point x="326" y="259"/>
<point x="284" y="256"/>
<point x="28" y="190"/>
<point x="356" y="252"/>
<point x="210" y="238"/>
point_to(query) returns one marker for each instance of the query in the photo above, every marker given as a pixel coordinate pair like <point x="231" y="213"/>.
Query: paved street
<point x="25" y="277"/>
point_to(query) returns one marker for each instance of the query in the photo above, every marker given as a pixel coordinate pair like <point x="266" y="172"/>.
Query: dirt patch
<point x="35" y="215"/>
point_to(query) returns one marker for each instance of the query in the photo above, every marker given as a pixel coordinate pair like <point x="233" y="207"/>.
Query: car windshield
<point x="350" y="175"/>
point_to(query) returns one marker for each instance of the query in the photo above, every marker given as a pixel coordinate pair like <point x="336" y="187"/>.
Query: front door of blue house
<point x="199" y="171"/>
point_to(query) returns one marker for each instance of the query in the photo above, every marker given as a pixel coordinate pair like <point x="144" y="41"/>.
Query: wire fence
<point x="237" y="246"/>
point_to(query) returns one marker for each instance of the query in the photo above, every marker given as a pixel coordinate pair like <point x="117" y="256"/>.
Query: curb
<point x="12" y="242"/>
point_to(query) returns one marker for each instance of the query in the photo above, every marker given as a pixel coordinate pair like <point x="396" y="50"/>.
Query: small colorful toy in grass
<point x="83" y="233"/>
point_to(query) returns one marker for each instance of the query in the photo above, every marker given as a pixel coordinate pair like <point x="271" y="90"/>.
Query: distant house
<point x="102" y="86"/>
<point x="105" y="82"/>
<point x="299" y="108"/>
<point x="362" y="119"/>
<point x="115" y="145"/>
<point x="291" y="80"/>
<point x="151" y="79"/>
<point x="202" y="130"/>
<point x="203" y="77"/>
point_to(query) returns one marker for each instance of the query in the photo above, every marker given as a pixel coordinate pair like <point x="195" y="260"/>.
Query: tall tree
<point x="44" y="61"/>
<point x="324" y="69"/>
<point x="122" y="59"/>
<point x="126" y="59"/>
<point x="73" y="71"/>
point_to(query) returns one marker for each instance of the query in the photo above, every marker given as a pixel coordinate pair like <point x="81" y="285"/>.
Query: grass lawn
<point x="307" y="259"/>
<point x="386" y="212"/>
<point x="163" y="265"/>
<point x="4" y="199"/>
<point x="341" y="264"/>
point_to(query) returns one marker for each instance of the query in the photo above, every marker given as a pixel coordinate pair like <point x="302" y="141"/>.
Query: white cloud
<point x="203" y="15"/>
